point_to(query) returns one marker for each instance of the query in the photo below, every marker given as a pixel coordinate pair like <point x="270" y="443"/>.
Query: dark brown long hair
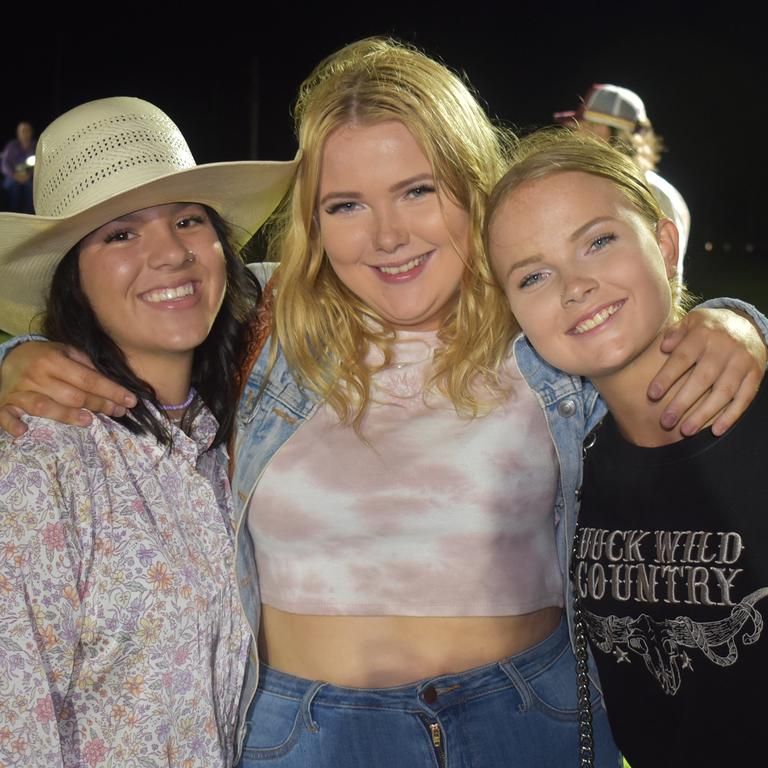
<point x="70" y="319"/>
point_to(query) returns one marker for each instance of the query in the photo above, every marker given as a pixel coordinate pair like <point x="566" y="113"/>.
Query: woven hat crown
<point x="102" y="148"/>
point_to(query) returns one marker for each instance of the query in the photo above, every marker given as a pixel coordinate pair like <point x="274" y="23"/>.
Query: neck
<point x="170" y="376"/>
<point x="625" y="394"/>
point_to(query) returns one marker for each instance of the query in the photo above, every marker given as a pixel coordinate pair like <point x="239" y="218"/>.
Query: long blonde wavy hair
<point x="324" y="329"/>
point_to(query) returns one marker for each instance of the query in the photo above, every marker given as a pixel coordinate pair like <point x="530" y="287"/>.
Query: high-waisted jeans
<point x="517" y="712"/>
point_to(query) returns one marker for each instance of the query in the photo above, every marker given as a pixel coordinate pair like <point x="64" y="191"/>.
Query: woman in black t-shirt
<point x="669" y="563"/>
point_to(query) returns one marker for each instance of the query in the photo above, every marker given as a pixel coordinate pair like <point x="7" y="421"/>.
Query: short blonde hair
<point x="323" y="327"/>
<point x="560" y="150"/>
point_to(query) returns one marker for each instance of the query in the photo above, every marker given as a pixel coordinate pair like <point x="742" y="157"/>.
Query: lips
<point x="597" y="318"/>
<point x="404" y="271"/>
<point x="406" y="267"/>
<point x="157" y="295"/>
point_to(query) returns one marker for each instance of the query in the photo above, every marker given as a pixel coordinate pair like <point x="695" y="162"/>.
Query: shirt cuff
<point x="16" y="341"/>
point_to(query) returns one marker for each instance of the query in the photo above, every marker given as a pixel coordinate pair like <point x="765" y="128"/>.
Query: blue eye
<point x="420" y="191"/>
<point x="602" y="241"/>
<point x="533" y="279"/>
<point x="346" y="207"/>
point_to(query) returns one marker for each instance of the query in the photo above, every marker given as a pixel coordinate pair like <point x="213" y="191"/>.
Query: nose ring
<point x="190" y="257"/>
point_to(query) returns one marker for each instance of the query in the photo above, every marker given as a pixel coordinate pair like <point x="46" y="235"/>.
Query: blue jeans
<point x="517" y="712"/>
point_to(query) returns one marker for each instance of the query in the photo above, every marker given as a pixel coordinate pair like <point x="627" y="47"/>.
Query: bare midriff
<point x="383" y="651"/>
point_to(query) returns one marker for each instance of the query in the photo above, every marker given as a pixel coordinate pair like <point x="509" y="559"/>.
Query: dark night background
<point x="228" y="78"/>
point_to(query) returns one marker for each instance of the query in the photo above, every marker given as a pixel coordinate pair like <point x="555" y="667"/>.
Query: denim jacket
<point x="266" y="420"/>
<point x="573" y="409"/>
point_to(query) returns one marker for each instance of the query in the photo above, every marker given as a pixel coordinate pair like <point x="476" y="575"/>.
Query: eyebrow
<point x="400" y="185"/>
<point x="520" y="264"/>
<point x="125" y="217"/>
<point x="575" y="235"/>
<point x="134" y="215"/>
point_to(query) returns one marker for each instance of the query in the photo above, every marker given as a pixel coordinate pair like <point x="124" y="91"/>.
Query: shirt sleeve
<point x="262" y="270"/>
<point x="16" y="341"/>
<point x="758" y="317"/>
<point x="42" y="583"/>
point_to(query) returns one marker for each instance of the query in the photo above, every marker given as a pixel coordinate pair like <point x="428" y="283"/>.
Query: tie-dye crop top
<point x="428" y="514"/>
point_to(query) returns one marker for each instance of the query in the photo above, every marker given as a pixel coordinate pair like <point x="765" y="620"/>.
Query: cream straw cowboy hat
<point x="107" y="158"/>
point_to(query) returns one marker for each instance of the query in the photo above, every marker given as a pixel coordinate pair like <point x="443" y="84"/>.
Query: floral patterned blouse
<point x="122" y="641"/>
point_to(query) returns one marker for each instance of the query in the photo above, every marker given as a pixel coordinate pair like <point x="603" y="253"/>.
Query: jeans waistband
<point x="442" y="690"/>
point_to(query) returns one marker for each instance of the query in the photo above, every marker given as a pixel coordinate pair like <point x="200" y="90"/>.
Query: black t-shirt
<point x="671" y="564"/>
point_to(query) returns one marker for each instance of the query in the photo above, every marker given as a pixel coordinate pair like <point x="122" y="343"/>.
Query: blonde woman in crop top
<point x="395" y="476"/>
<point x="404" y="532"/>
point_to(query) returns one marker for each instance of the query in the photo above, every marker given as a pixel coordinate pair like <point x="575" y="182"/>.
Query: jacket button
<point x="566" y="408"/>
<point x="578" y="494"/>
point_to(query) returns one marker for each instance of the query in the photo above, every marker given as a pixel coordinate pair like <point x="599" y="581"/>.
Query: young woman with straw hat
<point x="123" y="639"/>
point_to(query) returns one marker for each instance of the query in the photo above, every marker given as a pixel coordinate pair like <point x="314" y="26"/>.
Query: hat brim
<point x="613" y="121"/>
<point x="243" y="193"/>
<point x="564" y="117"/>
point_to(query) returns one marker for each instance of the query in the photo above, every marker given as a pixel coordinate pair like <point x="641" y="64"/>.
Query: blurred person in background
<point x="618" y="115"/>
<point x="18" y="162"/>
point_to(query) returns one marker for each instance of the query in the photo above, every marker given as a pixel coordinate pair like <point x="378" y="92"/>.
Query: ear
<point x="668" y="241"/>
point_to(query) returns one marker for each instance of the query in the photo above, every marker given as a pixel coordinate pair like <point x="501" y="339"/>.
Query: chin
<point x="186" y="344"/>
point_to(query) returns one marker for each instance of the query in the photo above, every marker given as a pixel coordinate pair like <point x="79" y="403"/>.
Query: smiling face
<point x="155" y="279"/>
<point x="390" y="234"/>
<point x="586" y="275"/>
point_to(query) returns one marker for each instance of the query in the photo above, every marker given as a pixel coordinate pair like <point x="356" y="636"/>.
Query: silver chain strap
<point x="586" y="739"/>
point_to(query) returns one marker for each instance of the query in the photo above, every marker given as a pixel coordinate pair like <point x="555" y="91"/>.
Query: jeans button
<point x="429" y="694"/>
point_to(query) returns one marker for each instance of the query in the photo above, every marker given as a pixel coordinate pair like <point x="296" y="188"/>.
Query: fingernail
<point x="130" y="400"/>
<point x="689" y="428"/>
<point x="119" y="411"/>
<point x="655" y="391"/>
<point x="668" y="420"/>
<point x="84" y="418"/>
